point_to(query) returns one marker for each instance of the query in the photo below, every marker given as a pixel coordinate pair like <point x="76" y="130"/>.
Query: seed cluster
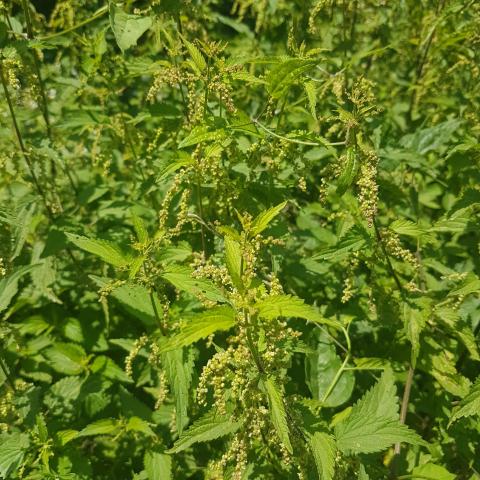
<point x="368" y="187"/>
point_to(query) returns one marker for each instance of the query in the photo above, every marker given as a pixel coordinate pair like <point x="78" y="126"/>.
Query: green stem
<point x="387" y="258"/>
<point x="156" y="312"/>
<point x="6" y="372"/>
<point x="36" y="64"/>
<point x="22" y="145"/>
<point x="415" y="477"/>
<point x="294" y="140"/>
<point x="411" y="369"/>
<point x="405" y="400"/>
<point x="251" y="345"/>
<point x="100" y="13"/>
<point x="336" y="378"/>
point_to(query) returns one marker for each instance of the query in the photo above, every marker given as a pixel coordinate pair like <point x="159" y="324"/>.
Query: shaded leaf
<point x="9" y="285"/>
<point x="105" y="426"/>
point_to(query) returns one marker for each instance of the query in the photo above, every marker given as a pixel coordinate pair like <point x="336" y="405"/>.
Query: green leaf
<point x="284" y="75"/>
<point x="136" y="424"/>
<point x="261" y="222"/>
<point x="172" y="167"/>
<point x="179" y="375"/>
<point x="181" y="278"/>
<point x="469" y="405"/>
<point x="414" y="320"/>
<point x="311" y="91"/>
<point x="196" y="56"/>
<point x="140" y="228"/>
<point x="460" y="327"/>
<point x="134" y="298"/>
<point x="407" y="227"/>
<point x="370" y="363"/>
<point x="241" y="122"/>
<point x="9" y="285"/>
<point x="199" y="135"/>
<point x="105" y="426"/>
<point x="65" y="436"/>
<point x="349" y="171"/>
<point x="199" y="326"/>
<point x="323" y="450"/>
<point x="321" y="368"/>
<point x="233" y="259"/>
<point x="67" y="358"/>
<point x="209" y="427"/>
<point x="374" y="423"/>
<point x="362" y="473"/>
<point x="127" y="28"/>
<point x="106" y="367"/>
<point x="12" y="452"/>
<point x="440" y="363"/>
<point x="23" y="224"/>
<point x="471" y="285"/>
<point x="157" y="465"/>
<point x="42" y="428"/>
<point x="431" y="471"/>
<point x="289" y="306"/>
<point x="457" y="222"/>
<point x="106" y="250"/>
<point x="432" y="138"/>
<point x="349" y="244"/>
<point x="277" y="413"/>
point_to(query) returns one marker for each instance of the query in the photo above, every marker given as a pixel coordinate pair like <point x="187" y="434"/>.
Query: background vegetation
<point x="239" y="240"/>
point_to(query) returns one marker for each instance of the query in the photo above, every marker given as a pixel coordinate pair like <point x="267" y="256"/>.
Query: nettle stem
<point x="21" y="144"/>
<point x="251" y="344"/>
<point x="342" y="368"/>
<point x="411" y="368"/>
<point x="7" y="374"/>
<point x="36" y="64"/>
<point x="43" y="94"/>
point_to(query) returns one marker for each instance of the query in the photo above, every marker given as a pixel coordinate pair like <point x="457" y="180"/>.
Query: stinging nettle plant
<point x="239" y="240"/>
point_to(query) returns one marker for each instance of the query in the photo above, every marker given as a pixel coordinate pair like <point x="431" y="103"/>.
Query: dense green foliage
<point x="239" y="240"/>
